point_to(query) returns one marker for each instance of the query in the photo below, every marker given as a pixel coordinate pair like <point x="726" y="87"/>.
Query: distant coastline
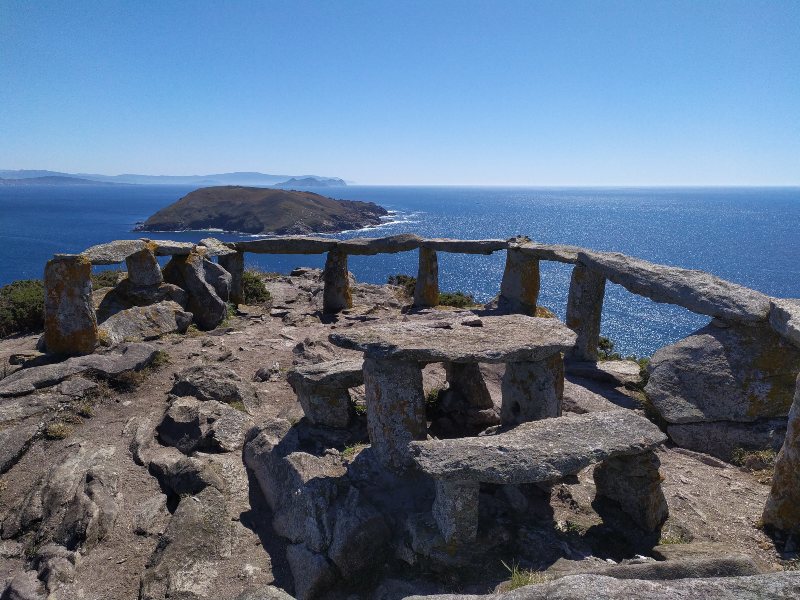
<point x="255" y="179"/>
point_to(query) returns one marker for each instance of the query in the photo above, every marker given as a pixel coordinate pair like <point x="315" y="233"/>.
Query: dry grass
<point x="57" y="430"/>
<point x="522" y="577"/>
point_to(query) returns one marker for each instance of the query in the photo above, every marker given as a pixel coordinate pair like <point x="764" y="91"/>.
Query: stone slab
<point x="344" y="373"/>
<point x="784" y="316"/>
<point x="538" y="451"/>
<point x="287" y="245"/>
<point x="553" y="252"/>
<point x="464" y="246"/>
<point x="170" y="247"/>
<point x="785" y="585"/>
<point x="113" y="252"/>
<point x="385" y="245"/>
<point x="696" y="291"/>
<point x="504" y="338"/>
<point x="215" y="247"/>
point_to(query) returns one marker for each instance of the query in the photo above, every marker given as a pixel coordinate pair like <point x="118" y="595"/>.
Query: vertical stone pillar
<point x="634" y="482"/>
<point x="395" y="409"/>
<point x="532" y="390"/>
<point x="519" y="289"/>
<point x="70" y="323"/>
<point x="426" y="292"/>
<point x="782" y="510"/>
<point x="336" y="295"/>
<point x="455" y="510"/>
<point x="234" y="264"/>
<point x="584" y="309"/>
<point x="143" y="269"/>
<point x="466" y="381"/>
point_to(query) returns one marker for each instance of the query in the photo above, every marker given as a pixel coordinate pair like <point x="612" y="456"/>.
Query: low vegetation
<point x="606" y="351"/>
<point x="21" y="307"/>
<point x="57" y="430"/>
<point x="107" y="278"/>
<point x="761" y="463"/>
<point x="253" y="288"/>
<point x="522" y="577"/>
<point x="407" y="283"/>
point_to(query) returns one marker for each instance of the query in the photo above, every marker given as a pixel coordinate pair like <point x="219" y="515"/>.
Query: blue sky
<point x="433" y="92"/>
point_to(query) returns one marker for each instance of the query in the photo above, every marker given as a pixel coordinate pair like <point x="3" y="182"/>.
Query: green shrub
<point x="108" y="278"/>
<point x="458" y="299"/>
<point x="21" y="307"/>
<point x="253" y="288"/>
<point x="407" y="282"/>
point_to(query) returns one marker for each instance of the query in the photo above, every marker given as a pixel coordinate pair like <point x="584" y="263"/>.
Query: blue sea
<point x="748" y="235"/>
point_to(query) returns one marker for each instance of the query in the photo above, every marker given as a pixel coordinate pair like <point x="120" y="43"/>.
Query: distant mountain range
<point x="36" y="177"/>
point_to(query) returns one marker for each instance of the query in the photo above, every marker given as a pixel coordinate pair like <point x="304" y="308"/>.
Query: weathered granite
<point x="143" y="269"/>
<point x="499" y="339"/>
<point x="784" y="316"/>
<point x="395" y="409"/>
<point x="697" y="291"/>
<point x="142" y="323"/>
<point x="464" y="246"/>
<point x="70" y="323"/>
<point x="125" y="295"/>
<point x="202" y="279"/>
<point x="129" y="357"/>
<point x="784" y="586"/>
<point x="519" y="289"/>
<point x="634" y="482"/>
<point x="113" y="252"/>
<point x="545" y="450"/>
<point x="455" y="510"/>
<point x="722" y="438"/>
<point x="385" y="245"/>
<point x="584" y="310"/>
<point x="233" y="263"/>
<point x="554" y="252"/>
<point x="215" y="382"/>
<point x="286" y="245"/>
<point x="426" y="290"/>
<point x="322" y="390"/>
<point x="615" y="372"/>
<point x="336" y="293"/>
<point x="738" y="373"/>
<point x="215" y="247"/>
<point x="782" y="510"/>
<point x="190" y="424"/>
<point x="170" y="247"/>
<point x="532" y="390"/>
<point x="721" y="564"/>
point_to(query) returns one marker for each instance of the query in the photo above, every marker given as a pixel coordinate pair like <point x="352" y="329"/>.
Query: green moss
<point x="21" y="307"/>
<point x="107" y="278"/>
<point x="253" y="288"/>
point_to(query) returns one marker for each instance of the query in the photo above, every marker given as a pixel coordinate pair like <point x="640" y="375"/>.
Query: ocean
<point x="747" y="235"/>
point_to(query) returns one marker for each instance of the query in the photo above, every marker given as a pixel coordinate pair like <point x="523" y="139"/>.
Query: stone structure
<point x="70" y="324"/>
<point x="783" y="505"/>
<point x="394" y="354"/>
<point x="519" y="289"/>
<point x="544" y="451"/>
<point x="322" y="390"/>
<point x="426" y="291"/>
<point x="584" y="309"/>
<point x="233" y="263"/>
<point x="336" y="295"/>
<point x="143" y="269"/>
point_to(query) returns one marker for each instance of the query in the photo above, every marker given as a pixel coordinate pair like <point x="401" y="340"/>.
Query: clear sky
<point x="403" y="92"/>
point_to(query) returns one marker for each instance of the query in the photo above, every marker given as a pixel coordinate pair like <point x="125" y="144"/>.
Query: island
<point x="263" y="211"/>
<point x="311" y="182"/>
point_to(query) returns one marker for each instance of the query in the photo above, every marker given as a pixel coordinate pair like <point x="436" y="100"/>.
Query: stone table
<point x="395" y="353"/>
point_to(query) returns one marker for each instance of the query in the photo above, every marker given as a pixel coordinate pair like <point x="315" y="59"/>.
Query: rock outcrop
<point x="725" y="387"/>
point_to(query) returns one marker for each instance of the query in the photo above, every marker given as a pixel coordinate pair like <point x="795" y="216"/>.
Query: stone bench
<point x="545" y="451"/>
<point x="322" y="389"/>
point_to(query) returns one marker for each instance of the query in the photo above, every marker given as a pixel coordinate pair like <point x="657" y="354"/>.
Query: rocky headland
<point x="169" y="438"/>
<point x="263" y="211"/>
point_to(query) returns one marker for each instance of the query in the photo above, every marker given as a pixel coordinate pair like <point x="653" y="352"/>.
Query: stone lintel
<point x="464" y="246"/>
<point x="286" y="245"/>
<point x="215" y="247"/>
<point x="784" y="317"/>
<point x="385" y="245"/>
<point x="114" y="252"/>
<point x="696" y="291"/>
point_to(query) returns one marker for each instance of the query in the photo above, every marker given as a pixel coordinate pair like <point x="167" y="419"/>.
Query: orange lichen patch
<point x="545" y="313"/>
<point x="151" y="245"/>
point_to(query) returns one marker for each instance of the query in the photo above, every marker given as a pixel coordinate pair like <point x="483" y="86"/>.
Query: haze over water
<point x="746" y="235"/>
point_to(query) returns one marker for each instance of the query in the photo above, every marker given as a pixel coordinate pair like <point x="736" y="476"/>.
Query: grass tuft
<point x="522" y="577"/>
<point x="57" y="431"/>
